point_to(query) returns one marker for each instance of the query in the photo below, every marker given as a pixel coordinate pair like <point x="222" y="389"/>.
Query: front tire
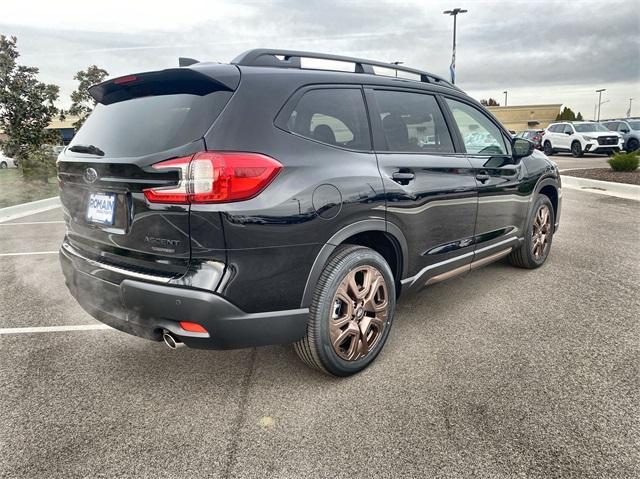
<point x="548" y="150"/>
<point x="534" y="250"/>
<point x="576" y="149"/>
<point x="351" y="313"/>
<point x="3" y="165"/>
<point x="633" y="145"/>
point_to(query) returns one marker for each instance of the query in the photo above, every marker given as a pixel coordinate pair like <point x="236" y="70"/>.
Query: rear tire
<point x="632" y="145"/>
<point x="534" y="250"/>
<point x="351" y="312"/>
<point x="576" y="149"/>
<point x="3" y="165"/>
<point x="548" y="150"/>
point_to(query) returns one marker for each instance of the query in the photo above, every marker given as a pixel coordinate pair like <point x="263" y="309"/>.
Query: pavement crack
<point x="232" y="450"/>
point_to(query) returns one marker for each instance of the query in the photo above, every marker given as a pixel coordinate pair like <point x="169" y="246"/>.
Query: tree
<point x="82" y="103"/>
<point x="567" y="114"/>
<point x="579" y="117"/>
<point x="489" y="102"/>
<point x="26" y="104"/>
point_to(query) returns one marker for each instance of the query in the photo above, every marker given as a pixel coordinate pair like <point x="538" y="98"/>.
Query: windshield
<point x="635" y="125"/>
<point x="587" y="127"/>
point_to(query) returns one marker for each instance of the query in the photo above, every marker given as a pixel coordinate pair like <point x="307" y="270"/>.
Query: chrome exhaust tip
<point x="171" y="341"/>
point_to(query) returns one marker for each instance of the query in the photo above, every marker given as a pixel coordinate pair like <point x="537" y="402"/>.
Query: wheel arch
<point x="364" y="233"/>
<point x="550" y="187"/>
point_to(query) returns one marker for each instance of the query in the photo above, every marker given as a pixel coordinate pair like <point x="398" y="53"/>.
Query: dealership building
<point x="526" y="117"/>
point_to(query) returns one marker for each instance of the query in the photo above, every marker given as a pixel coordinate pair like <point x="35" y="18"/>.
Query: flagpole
<point x="454" y="13"/>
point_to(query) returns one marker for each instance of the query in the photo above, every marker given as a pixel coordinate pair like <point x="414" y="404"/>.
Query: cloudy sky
<point x="540" y="51"/>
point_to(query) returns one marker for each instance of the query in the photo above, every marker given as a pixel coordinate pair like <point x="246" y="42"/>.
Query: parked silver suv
<point x="629" y="129"/>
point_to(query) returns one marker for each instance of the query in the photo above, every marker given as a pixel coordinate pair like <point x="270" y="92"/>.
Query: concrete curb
<point x="25" y="209"/>
<point x="619" y="190"/>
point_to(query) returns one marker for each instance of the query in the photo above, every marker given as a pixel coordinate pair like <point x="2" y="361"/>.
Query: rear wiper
<point x="91" y="149"/>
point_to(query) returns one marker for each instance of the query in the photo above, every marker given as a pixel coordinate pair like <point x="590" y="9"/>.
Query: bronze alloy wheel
<point x="541" y="233"/>
<point x="359" y="313"/>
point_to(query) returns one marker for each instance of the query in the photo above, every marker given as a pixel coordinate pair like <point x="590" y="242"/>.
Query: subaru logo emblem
<point x="90" y="175"/>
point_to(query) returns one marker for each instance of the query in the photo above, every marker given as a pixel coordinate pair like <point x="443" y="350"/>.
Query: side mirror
<point x="522" y="147"/>
<point x="625" y="130"/>
<point x="568" y="133"/>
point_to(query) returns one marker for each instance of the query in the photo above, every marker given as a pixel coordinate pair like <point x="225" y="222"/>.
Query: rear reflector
<point x="192" y="327"/>
<point x="216" y="177"/>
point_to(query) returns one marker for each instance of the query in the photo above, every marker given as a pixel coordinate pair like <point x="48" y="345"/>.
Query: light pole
<point x="599" y="92"/>
<point x="397" y="63"/>
<point x="629" y="110"/>
<point x="505" y="98"/>
<point x="454" y="13"/>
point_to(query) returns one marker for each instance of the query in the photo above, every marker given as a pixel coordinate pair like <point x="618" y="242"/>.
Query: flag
<point x="452" y="67"/>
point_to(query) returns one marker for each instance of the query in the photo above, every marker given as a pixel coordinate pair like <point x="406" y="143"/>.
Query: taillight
<point x="216" y="177"/>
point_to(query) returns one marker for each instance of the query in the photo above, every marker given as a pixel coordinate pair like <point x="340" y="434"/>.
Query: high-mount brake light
<point x="216" y="177"/>
<point x="125" y="79"/>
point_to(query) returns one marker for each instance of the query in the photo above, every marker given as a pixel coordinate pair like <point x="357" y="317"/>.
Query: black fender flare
<point x="542" y="182"/>
<point x="371" y="224"/>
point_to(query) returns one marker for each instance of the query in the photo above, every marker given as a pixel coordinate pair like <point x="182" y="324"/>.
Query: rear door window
<point x="334" y="116"/>
<point x="413" y="122"/>
<point x="480" y="135"/>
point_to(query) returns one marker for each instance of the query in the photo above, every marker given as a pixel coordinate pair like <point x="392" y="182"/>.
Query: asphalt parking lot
<point x="501" y="373"/>
<point x="566" y="162"/>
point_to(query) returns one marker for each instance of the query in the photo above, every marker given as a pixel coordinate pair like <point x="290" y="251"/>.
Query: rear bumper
<point x="145" y="309"/>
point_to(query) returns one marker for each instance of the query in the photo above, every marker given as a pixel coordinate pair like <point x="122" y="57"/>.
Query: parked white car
<point x="580" y="137"/>
<point x="6" y="162"/>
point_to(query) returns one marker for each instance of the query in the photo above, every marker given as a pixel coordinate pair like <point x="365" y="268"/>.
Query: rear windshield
<point x="151" y="124"/>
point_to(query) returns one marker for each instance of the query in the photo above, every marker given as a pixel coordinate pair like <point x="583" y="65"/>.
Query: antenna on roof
<point x="185" y="62"/>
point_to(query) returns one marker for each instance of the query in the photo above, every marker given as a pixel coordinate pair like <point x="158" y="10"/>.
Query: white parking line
<point x="33" y="223"/>
<point x="54" y="329"/>
<point x="29" y="253"/>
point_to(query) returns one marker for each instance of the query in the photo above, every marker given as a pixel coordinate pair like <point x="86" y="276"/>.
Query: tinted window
<point x="334" y="116"/>
<point x="611" y="126"/>
<point x="413" y="122"/>
<point x="479" y="134"/>
<point x="568" y="129"/>
<point x="151" y="124"/>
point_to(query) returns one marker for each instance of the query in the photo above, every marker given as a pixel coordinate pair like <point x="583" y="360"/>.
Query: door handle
<point x="403" y="176"/>
<point x="482" y="176"/>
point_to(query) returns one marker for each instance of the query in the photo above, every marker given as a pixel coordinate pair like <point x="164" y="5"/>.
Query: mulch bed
<point x="606" y="174"/>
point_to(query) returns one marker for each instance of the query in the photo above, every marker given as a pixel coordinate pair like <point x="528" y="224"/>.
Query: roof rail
<point x="263" y="57"/>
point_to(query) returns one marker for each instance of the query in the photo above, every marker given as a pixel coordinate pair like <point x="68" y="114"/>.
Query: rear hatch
<point x="139" y="121"/>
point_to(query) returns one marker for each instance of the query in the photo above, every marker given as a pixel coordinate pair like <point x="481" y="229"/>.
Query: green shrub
<point x="625" y="161"/>
<point x="38" y="164"/>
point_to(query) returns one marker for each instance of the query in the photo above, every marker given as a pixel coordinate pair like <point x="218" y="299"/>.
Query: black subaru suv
<point x="290" y="197"/>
